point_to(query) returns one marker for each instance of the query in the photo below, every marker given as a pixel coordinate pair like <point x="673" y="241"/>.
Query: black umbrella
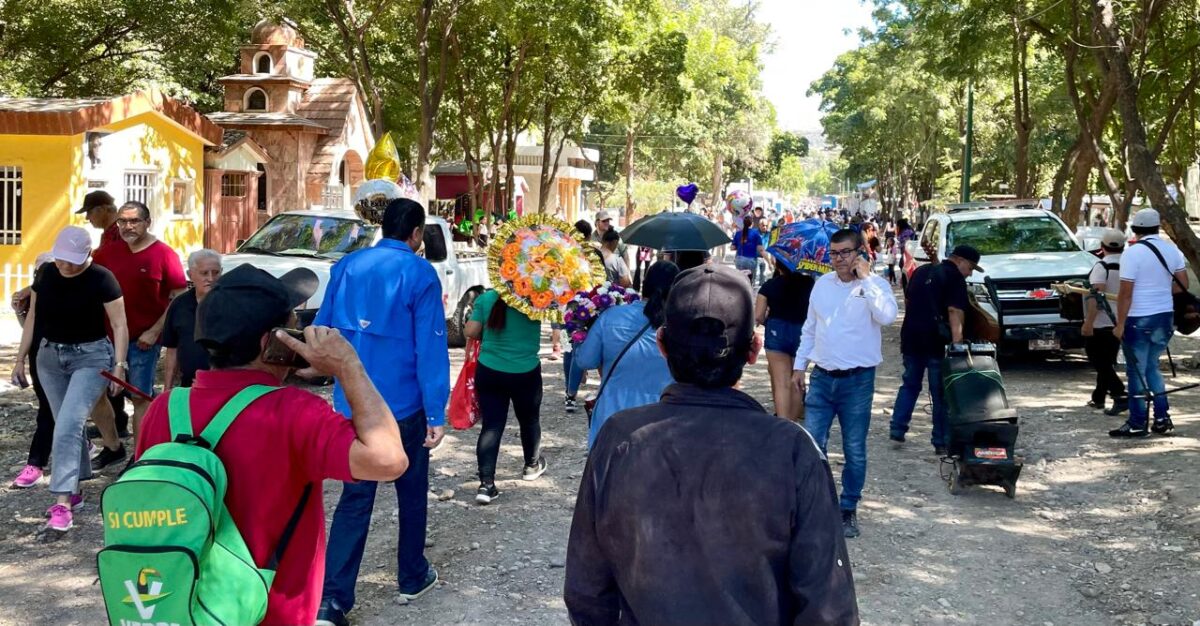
<point x="674" y="231"/>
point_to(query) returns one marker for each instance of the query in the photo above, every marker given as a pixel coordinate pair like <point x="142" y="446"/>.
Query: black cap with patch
<point x="245" y="304"/>
<point x="710" y="311"/>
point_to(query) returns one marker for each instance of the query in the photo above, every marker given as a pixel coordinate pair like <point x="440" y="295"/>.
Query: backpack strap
<point x="289" y="530"/>
<point x="179" y="413"/>
<point x="238" y="403"/>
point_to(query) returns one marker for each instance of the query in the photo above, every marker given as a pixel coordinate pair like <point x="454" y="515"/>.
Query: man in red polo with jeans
<point x="150" y="275"/>
<point x="287" y="439"/>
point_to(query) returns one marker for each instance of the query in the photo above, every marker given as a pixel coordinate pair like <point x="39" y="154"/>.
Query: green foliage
<point x="87" y="48"/>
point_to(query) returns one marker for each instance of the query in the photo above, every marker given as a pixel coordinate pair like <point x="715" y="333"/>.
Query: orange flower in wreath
<point x="566" y="298"/>
<point x="522" y="286"/>
<point x="542" y="299"/>
<point x="508" y="270"/>
<point x="511" y="251"/>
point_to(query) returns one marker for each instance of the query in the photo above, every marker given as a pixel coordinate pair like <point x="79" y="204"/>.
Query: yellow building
<point x="144" y="146"/>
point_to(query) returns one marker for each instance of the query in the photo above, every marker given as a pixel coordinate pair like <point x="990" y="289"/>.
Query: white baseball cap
<point x="602" y="215"/>
<point x="1113" y="239"/>
<point x="1146" y="218"/>
<point x="72" y="245"/>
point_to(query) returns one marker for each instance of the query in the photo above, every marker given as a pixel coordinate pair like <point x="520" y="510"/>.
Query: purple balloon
<point x="687" y="192"/>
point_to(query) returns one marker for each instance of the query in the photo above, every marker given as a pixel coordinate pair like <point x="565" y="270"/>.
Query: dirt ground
<point x="1100" y="532"/>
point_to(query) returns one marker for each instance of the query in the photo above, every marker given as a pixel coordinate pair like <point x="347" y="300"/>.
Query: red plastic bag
<point x="464" y="404"/>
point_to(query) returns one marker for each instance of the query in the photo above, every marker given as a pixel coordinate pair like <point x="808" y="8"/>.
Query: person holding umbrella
<point x="782" y="307"/>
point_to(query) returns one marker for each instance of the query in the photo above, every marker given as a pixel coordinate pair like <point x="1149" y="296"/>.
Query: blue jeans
<point x="142" y="365"/>
<point x="573" y="375"/>
<point x="70" y="376"/>
<point x="915" y="368"/>
<point x="848" y="398"/>
<point x="1145" y="340"/>
<point x="352" y="520"/>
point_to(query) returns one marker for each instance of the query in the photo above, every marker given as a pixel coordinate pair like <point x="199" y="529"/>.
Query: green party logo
<point x="146" y="593"/>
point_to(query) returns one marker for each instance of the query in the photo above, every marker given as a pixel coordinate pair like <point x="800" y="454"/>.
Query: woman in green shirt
<point x="509" y="371"/>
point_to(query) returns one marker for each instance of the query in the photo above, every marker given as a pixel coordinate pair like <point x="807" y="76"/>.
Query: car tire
<point x="456" y="336"/>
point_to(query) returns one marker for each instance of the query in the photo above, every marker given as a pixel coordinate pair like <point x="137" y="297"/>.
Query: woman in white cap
<point x="72" y="299"/>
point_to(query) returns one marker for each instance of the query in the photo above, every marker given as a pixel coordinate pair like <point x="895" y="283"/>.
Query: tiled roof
<point x="73" y="116"/>
<point x="330" y="101"/>
<point x="231" y="137"/>
<point x="261" y="119"/>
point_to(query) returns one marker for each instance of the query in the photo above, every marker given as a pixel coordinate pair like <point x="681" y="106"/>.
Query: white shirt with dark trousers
<point x="1151" y="281"/>
<point x="1107" y="281"/>
<point x="844" y="320"/>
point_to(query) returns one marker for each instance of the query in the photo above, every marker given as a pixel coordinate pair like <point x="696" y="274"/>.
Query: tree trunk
<point x="1079" y="187"/>
<point x="430" y="89"/>
<point x="628" y="171"/>
<point x="717" y="175"/>
<point x="1060" y="178"/>
<point x="544" y="178"/>
<point x="1021" y="117"/>
<point x="1142" y="163"/>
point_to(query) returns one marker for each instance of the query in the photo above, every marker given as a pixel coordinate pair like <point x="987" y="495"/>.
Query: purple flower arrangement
<point x="583" y="310"/>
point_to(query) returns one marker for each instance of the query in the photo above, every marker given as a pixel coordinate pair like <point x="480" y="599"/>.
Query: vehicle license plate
<point x="992" y="454"/>
<point x="1043" y="344"/>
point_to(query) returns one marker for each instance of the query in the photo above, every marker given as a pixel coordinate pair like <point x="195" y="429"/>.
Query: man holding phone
<point x="308" y="441"/>
<point x="842" y="339"/>
<point x="387" y="301"/>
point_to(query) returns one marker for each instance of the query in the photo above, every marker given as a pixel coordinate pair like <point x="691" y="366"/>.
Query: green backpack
<point x="172" y="554"/>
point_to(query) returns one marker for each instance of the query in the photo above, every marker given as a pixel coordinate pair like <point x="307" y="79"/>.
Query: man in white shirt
<point x="841" y="338"/>
<point x="1151" y="270"/>
<point x="1099" y="343"/>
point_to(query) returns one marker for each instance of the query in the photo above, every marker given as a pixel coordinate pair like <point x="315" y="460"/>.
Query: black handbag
<point x="1187" y="307"/>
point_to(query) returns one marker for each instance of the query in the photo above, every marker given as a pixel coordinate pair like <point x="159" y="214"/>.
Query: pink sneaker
<point x="28" y="477"/>
<point x="60" y="518"/>
<point x="74" y="499"/>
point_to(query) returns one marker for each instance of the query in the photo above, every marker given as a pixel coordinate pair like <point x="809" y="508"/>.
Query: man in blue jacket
<point x="387" y="302"/>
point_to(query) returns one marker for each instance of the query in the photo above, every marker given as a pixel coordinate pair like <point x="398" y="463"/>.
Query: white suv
<point x="1024" y="249"/>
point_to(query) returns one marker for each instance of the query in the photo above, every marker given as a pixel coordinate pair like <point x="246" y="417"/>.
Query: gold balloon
<point x="383" y="161"/>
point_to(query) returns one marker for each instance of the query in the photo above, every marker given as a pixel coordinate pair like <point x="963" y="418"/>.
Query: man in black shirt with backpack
<point x="935" y="305"/>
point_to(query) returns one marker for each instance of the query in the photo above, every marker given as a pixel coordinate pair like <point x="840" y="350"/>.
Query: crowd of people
<point x="674" y="445"/>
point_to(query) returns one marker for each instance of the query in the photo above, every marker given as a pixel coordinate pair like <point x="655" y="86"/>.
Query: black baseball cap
<point x="710" y="311"/>
<point x="969" y="253"/>
<point x="96" y="199"/>
<point x="245" y="304"/>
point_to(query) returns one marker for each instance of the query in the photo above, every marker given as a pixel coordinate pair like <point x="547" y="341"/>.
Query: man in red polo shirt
<point x="288" y="438"/>
<point x="150" y="275"/>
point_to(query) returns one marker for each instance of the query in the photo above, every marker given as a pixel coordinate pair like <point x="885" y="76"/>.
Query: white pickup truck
<point x="319" y="238"/>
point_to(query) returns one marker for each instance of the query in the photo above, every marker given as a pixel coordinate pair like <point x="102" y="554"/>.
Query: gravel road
<point x="1101" y="531"/>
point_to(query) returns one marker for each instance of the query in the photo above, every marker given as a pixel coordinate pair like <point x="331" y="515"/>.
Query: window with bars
<point x="10" y="205"/>
<point x="140" y="186"/>
<point x="233" y="185"/>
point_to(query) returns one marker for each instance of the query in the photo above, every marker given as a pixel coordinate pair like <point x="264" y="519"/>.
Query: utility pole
<point x="969" y="141"/>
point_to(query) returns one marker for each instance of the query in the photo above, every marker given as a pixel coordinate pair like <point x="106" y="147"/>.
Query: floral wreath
<point x="538" y="263"/>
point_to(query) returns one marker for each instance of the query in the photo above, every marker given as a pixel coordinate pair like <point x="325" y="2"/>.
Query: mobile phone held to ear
<point x="276" y="353"/>
<point x="862" y="255"/>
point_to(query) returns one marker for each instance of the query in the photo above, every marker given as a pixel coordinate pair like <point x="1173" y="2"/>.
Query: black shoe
<point x="570" y="404"/>
<point x="1163" y="426"/>
<point x="1127" y="431"/>
<point x="330" y="615"/>
<point x="431" y="578"/>
<point x="1092" y="404"/>
<point x="897" y="441"/>
<point x="1119" y="406"/>
<point x="486" y="493"/>
<point x="94" y="433"/>
<point x="850" y="524"/>
<point x="940" y="451"/>
<point x="108" y="457"/>
<point x="533" y="472"/>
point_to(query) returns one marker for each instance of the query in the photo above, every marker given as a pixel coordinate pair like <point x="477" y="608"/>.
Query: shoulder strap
<point x="1158" y="255"/>
<point x="216" y="428"/>
<point x="636" y="337"/>
<point x="290" y="529"/>
<point x="179" y="412"/>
